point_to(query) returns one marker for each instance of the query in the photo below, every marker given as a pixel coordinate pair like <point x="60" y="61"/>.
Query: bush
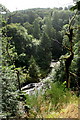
<point x="57" y="95"/>
<point x="53" y="98"/>
<point x="9" y="87"/>
<point x="33" y="71"/>
<point x="60" y="72"/>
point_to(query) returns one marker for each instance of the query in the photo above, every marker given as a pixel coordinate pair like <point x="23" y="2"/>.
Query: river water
<point x="32" y="88"/>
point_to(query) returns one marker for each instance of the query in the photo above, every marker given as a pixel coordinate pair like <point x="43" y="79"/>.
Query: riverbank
<point x="56" y="102"/>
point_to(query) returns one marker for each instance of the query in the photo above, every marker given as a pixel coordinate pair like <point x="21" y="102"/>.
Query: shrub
<point x="33" y="71"/>
<point x="9" y="86"/>
<point x="57" y="94"/>
<point x="52" y="99"/>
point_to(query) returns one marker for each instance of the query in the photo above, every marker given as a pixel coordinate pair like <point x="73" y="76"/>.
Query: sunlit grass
<point x="52" y="103"/>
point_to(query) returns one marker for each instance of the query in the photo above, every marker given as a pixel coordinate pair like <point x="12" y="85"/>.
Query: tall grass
<point x="52" y="100"/>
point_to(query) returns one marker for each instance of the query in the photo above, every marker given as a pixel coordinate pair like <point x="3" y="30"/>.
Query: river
<point x="44" y="83"/>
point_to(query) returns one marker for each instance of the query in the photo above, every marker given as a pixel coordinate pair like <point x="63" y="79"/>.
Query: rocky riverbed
<point x="44" y="83"/>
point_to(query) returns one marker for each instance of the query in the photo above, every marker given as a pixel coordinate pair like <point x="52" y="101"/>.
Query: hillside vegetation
<point x="31" y="40"/>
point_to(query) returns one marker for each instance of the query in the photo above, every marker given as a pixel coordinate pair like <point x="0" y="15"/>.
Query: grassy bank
<point x="55" y="102"/>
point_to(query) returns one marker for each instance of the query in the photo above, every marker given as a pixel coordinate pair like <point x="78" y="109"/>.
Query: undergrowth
<point x="53" y="99"/>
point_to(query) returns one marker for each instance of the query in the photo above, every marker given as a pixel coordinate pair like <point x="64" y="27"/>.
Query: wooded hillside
<point x="31" y="40"/>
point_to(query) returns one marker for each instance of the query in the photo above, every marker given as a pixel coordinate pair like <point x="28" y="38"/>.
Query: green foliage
<point x="37" y="21"/>
<point x="18" y="35"/>
<point x="33" y="71"/>
<point x="36" y="29"/>
<point x="77" y="6"/>
<point x="9" y="86"/>
<point x="57" y="94"/>
<point x="60" y="72"/>
<point x="48" y="28"/>
<point x="20" y="45"/>
<point x="3" y="9"/>
<point x="53" y="99"/>
<point x="29" y="27"/>
<point x="44" y="52"/>
<point x="29" y="43"/>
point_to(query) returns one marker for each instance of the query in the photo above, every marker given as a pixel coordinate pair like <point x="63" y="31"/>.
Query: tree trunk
<point x="67" y="65"/>
<point x="18" y="79"/>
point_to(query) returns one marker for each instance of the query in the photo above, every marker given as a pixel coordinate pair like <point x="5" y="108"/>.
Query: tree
<point x="9" y="82"/>
<point x="3" y="9"/>
<point x="77" y="51"/>
<point x="29" y="27"/>
<point x="44" y="52"/>
<point x="36" y="29"/>
<point x="53" y="36"/>
<point x="16" y="37"/>
<point x="9" y="86"/>
<point x="34" y="71"/>
<point x="68" y="59"/>
<point x="48" y="28"/>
